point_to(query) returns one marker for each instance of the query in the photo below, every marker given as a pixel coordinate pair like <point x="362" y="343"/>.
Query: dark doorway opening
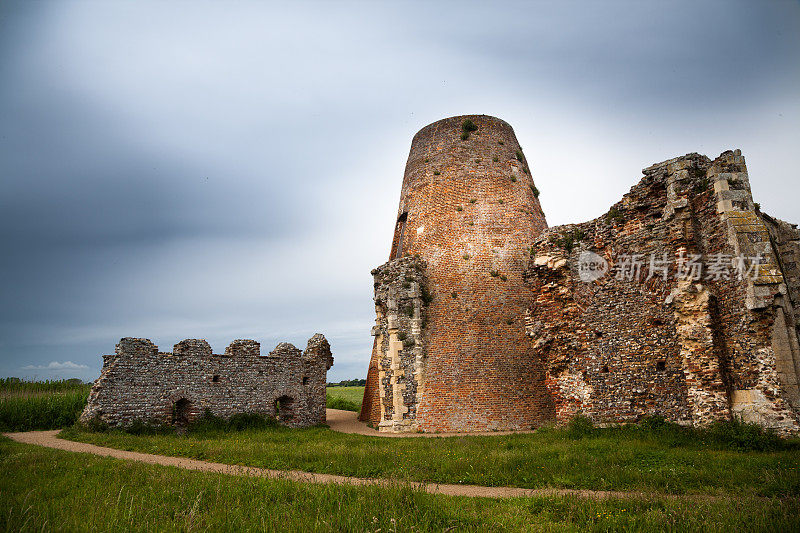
<point x="180" y="414"/>
<point x="284" y="409"/>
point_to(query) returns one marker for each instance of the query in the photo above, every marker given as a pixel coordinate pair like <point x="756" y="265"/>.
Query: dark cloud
<point x="232" y="170"/>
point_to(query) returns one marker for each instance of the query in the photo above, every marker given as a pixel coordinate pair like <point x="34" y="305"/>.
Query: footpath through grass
<point x="44" y="489"/>
<point x="625" y="459"/>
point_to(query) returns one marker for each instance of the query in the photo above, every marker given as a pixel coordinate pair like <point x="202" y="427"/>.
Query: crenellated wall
<point x="139" y="383"/>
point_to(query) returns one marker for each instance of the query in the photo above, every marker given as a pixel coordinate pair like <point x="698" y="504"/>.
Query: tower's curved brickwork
<point x="470" y="210"/>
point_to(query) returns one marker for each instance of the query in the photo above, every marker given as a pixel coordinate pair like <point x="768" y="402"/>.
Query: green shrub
<point x="745" y="437"/>
<point x="209" y="422"/>
<point x="569" y="239"/>
<point x="701" y="185"/>
<point x="615" y="215"/>
<point x="436" y="172"/>
<point x="464" y="135"/>
<point x="342" y="403"/>
<point x="580" y="426"/>
<point x="468" y="126"/>
<point x="520" y="156"/>
<point x="535" y="191"/>
<point x="513" y="179"/>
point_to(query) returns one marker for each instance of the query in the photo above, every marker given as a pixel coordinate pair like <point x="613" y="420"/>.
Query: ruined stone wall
<point x="139" y="383"/>
<point x="397" y="379"/>
<point x="654" y="335"/>
<point x="469" y="209"/>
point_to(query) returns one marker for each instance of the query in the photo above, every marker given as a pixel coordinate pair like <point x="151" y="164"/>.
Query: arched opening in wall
<point x="400" y="231"/>
<point x="284" y="409"/>
<point x="180" y="413"/>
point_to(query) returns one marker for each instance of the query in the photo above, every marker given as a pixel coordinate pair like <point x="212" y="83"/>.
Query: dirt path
<point x="49" y="439"/>
<point x="347" y="422"/>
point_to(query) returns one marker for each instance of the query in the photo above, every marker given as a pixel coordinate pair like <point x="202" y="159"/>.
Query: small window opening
<point x="215" y="379"/>
<point x="661" y="366"/>
<point x="401" y="223"/>
<point x="604" y="370"/>
<point x="305" y="380"/>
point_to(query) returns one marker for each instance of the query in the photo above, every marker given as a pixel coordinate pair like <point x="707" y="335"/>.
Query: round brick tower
<point x="470" y="210"/>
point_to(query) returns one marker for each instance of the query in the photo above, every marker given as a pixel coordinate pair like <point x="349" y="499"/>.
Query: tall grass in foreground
<point x="26" y="412"/>
<point x="43" y="489"/>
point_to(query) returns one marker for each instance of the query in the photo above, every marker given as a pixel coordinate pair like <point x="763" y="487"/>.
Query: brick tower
<point x="450" y="351"/>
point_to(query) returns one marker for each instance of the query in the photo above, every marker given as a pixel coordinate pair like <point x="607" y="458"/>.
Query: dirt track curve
<point x="339" y="422"/>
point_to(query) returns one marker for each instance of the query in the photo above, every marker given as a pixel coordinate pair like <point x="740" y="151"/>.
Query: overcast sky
<point x="229" y="170"/>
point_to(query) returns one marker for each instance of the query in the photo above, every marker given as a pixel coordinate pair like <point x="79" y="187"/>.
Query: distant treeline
<point x="16" y="385"/>
<point x="349" y="383"/>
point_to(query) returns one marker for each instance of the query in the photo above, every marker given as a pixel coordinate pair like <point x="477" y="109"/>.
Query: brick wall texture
<point x="486" y="319"/>
<point x="140" y="384"/>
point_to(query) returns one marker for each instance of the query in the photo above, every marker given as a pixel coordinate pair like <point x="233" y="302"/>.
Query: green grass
<point x="628" y="459"/>
<point x="345" y="398"/>
<point x="43" y="489"/>
<point x="16" y="386"/>
<point x="29" y="410"/>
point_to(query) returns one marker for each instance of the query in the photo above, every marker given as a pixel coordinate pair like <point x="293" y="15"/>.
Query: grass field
<point x="49" y="489"/>
<point x="26" y="406"/>
<point x="609" y="459"/>
<point x="43" y="489"/>
<point x="345" y="398"/>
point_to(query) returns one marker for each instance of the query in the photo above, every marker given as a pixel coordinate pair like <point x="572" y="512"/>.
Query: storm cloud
<point x="232" y="170"/>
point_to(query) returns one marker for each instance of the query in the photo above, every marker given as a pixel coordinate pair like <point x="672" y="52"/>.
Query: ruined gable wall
<point x="139" y="383"/>
<point x="694" y="351"/>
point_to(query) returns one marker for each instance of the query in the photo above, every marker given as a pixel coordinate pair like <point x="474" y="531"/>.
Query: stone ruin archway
<point x="285" y="409"/>
<point x="181" y="411"/>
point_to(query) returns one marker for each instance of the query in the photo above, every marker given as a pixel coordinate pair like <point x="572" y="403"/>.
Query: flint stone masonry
<point x="140" y="384"/>
<point x="510" y="335"/>
<point x="691" y="350"/>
